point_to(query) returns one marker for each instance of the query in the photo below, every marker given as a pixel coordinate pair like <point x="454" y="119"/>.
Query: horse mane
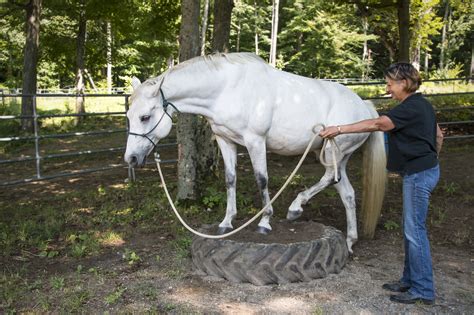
<point x="207" y="62"/>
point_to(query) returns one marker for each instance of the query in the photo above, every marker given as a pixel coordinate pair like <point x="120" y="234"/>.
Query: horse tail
<point x="373" y="179"/>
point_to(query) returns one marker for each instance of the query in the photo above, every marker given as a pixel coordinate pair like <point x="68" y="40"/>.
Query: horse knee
<point x="230" y="180"/>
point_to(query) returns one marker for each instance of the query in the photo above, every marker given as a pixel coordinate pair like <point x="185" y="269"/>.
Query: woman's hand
<point x="330" y="132"/>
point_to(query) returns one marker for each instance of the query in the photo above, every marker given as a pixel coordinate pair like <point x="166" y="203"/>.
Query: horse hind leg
<point x="346" y="192"/>
<point x="229" y="155"/>
<point x="296" y="210"/>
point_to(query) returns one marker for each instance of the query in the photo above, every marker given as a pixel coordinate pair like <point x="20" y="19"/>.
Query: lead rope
<point x="157" y="160"/>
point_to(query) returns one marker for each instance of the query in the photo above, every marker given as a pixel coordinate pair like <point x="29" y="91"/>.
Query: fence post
<point x="131" y="170"/>
<point x="35" y="126"/>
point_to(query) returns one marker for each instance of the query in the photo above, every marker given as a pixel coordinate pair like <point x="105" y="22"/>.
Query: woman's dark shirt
<point x="412" y="143"/>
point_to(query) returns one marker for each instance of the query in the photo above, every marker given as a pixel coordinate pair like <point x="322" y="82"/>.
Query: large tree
<point x="403" y="10"/>
<point x="80" y="60"/>
<point x="30" y="60"/>
<point x="189" y="47"/>
<point x="222" y="18"/>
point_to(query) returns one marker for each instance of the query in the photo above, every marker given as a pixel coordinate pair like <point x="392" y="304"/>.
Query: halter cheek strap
<point x="166" y="103"/>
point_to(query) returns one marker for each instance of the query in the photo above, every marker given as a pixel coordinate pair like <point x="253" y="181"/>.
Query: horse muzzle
<point x="134" y="160"/>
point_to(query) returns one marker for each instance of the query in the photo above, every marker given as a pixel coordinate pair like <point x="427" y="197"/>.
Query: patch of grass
<point x="74" y="300"/>
<point x="451" y="188"/>
<point x="330" y="192"/>
<point x="131" y="257"/>
<point x="14" y="287"/>
<point x="390" y="225"/>
<point x="57" y="282"/>
<point x="113" y="297"/>
<point x="438" y="216"/>
<point x="83" y="244"/>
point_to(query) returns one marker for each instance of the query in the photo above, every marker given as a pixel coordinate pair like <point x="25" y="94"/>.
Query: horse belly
<point x="287" y="144"/>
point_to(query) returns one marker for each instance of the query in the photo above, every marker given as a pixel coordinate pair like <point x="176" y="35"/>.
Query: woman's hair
<point x="404" y="71"/>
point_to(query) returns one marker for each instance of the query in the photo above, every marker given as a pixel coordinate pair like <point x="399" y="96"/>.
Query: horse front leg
<point x="229" y="155"/>
<point x="258" y="155"/>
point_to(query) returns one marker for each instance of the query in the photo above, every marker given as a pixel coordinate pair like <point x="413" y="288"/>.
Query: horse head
<point x="149" y="122"/>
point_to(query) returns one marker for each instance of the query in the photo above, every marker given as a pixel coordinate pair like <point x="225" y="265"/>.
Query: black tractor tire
<point x="275" y="263"/>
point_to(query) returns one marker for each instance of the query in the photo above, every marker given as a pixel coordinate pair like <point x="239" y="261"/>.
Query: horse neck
<point x="192" y="92"/>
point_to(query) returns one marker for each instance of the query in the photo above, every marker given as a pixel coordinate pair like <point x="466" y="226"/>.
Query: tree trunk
<point x="444" y="31"/>
<point x="222" y="17"/>
<point x="187" y="124"/>
<point x="208" y="152"/>
<point x="109" y="57"/>
<point x="256" y="26"/>
<point x="427" y="66"/>
<point x="471" y="71"/>
<point x="204" y="27"/>
<point x="80" y="64"/>
<point x="237" y="45"/>
<point x="403" y="7"/>
<point x="30" y="61"/>
<point x="365" y="51"/>
<point x="273" y="45"/>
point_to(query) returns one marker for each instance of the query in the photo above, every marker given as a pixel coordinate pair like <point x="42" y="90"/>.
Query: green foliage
<point x="57" y="282"/>
<point x="325" y="37"/>
<point x="390" y="225"/>
<point x="113" y="297"/>
<point x="214" y="198"/>
<point x="131" y="257"/>
<point x="451" y="188"/>
<point x="316" y="38"/>
<point x="451" y="71"/>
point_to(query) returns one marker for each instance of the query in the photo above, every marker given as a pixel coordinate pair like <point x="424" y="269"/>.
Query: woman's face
<point x="397" y="89"/>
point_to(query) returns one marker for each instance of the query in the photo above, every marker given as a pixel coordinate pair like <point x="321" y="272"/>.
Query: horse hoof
<point x="224" y="230"/>
<point x="293" y="215"/>
<point x="263" y="230"/>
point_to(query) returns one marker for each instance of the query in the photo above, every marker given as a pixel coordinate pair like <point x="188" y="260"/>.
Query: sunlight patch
<point x="111" y="239"/>
<point x="287" y="305"/>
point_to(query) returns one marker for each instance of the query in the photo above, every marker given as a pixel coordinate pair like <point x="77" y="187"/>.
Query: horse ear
<point x="135" y="82"/>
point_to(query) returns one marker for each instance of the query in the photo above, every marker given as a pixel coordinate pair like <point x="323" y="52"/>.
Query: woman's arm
<point x="439" y="139"/>
<point x="382" y="123"/>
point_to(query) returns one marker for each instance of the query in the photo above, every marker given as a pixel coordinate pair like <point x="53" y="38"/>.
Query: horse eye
<point x="145" y="118"/>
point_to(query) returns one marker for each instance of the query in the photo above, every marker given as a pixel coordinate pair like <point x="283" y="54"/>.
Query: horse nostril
<point x="133" y="160"/>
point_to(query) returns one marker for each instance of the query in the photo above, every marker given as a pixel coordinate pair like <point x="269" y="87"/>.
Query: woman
<point x="414" y="143"/>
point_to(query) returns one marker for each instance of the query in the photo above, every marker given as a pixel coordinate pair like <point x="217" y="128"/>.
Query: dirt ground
<point x="161" y="283"/>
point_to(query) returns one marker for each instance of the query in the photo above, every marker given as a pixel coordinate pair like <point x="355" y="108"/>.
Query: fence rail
<point x="36" y="137"/>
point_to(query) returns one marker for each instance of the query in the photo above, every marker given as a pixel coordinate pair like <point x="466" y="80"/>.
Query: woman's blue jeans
<point x="418" y="270"/>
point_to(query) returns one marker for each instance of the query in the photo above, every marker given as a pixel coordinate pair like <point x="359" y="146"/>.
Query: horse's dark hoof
<point x="224" y="230"/>
<point x="263" y="230"/>
<point x="293" y="215"/>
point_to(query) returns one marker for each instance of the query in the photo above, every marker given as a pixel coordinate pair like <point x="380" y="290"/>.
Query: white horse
<point x="250" y="103"/>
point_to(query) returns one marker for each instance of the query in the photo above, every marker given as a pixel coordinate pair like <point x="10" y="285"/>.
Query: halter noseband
<point x="145" y="135"/>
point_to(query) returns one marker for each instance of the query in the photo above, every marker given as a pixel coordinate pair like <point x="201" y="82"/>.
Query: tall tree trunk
<point x="403" y="7"/>
<point x="471" y="71"/>
<point x="237" y="45"/>
<point x="273" y="45"/>
<point x="365" y="51"/>
<point x="444" y="37"/>
<point x="187" y="124"/>
<point x="80" y="63"/>
<point x="427" y="66"/>
<point x="208" y="152"/>
<point x="222" y="18"/>
<point x="109" y="57"/>
<point x="205" y="17"/>
<point x="256" y="26"/>
<point x="30" y="61"/>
